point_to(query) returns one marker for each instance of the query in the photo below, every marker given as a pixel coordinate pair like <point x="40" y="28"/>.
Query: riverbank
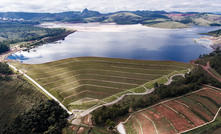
<point x="216" y="41"/>
<point x="26" y="46"/>
<point x="35" y="43"/>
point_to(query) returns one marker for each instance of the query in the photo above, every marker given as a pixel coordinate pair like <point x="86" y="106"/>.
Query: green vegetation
<point x="28" y="35"/>
<point x="215" y="62"/>
<point x="213" y="71"/>
<point x="177" y="78"/>
<point x="202" y="19"/>
<point x="215" y="33"/>
<point x="192" y="82"/>
<point x="124" y="18"/>
<point x="88" y="130"/>
<point x="24" y="109"/>
<point x="72" y="79"/>
<point x="4" y="47"/>
<point x="163" y="23"/>
<point x="17" y="95"/>
<point x="208" y="129"/>
<point x="47" y="117"/>
<point x="159" y="19"/>
<point x="4" y="69"/>
<point x="14" y="33"/>
<point x="214" y="59"/>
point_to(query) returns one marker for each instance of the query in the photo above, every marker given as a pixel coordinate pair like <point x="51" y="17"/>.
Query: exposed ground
<point x="177" y="115"/>
<point x="80" y="83"/>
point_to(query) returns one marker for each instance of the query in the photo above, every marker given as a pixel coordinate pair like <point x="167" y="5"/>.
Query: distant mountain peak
<point x="85" y="10"/>
<point x="89" y="13"/>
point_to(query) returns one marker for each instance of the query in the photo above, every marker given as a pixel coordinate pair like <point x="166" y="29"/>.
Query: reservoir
<point x="121" y="41"/>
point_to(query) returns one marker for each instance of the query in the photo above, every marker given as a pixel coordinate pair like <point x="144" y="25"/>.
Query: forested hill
<point x="148" y="18"/>
<point x="24" y="109"/>
<point x="29" y="34"/>
<point x="215" y="33"/>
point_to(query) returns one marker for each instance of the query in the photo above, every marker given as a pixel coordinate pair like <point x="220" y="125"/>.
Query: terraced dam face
<point x="80" y="83"/>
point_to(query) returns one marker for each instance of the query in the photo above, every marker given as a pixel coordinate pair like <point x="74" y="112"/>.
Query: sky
<point x="105" y="6"/>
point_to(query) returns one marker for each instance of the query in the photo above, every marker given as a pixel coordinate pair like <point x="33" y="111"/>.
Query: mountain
<point x="149" y="18"/>
<point x="88" y="13"/>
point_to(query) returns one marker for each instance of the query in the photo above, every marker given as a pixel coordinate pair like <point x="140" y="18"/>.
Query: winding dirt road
<point x="148" y="91"/>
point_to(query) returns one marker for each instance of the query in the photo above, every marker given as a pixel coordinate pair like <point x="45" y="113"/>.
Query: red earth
<point x="144" y="123"/>
<point x="186" y="112"/>
<point x="178" y="121"/>
<point x="162" y="124"/>
<point x="197" y="107"/>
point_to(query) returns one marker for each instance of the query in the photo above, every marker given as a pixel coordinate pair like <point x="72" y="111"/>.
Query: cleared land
<point x="177" y="115"/>
<point x="80" y="83"/>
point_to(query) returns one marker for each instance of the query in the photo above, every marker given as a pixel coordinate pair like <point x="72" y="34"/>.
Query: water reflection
<point x="117" y="41"/>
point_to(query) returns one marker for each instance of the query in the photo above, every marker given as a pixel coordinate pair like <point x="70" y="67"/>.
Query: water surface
<point x="121" y="41"/>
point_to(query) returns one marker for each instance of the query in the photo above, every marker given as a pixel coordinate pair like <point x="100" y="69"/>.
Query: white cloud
<point x="109" y="5"/>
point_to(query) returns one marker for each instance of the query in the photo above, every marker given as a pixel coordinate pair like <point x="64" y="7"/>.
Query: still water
<point x="121" y="41"/>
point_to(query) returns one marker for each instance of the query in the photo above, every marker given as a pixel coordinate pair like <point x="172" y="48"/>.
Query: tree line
<point x="215" y="62"/>
<point x="4" y="69"/>
<point x="191" y="82"/>
<point x="47" y="117"/>
<point x="4" y="47"/>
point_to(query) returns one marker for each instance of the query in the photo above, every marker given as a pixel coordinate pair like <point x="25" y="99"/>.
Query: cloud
<point x="109" y="5"/>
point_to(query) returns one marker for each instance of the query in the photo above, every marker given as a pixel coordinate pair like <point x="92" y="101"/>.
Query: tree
<point x="111" y="125"/>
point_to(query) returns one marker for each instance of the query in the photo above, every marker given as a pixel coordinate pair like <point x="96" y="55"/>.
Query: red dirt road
<point x="206" y="68"/>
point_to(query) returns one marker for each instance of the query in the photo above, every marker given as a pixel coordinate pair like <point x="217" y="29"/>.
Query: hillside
<point x="17" y="95"/>
<point x="176" y="115"/>
<point x="164" y="23"/>
<point x="123" y="18"/>
<point x="215" y="33"/>
<point x="149" y="18"/>
<point x="202" y="20"/>
<point x="81" y="83"/>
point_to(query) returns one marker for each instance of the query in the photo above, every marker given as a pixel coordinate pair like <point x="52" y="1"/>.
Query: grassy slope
<point x="203" y="19"/>
<point x="164" y="23"/>
<point x="20" y="32"/>
<point x="123" y="18"/>
<point x="16" y="97"/>
<point x="97" y="78"/>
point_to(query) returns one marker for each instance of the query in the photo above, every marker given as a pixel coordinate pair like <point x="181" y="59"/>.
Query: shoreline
<point x="35" y="43"/>
<point x="215" y="41"/>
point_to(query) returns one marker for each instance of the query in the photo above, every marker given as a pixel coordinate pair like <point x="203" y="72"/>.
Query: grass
<point x="72" y="79"/>
<point x="110" y="99"/>
<point x="161" y="80"/>
<point x="203" y="61"/>
<point x="177" y="78"/>
<point x="17" y="96"/>
<point x="129" y="127"/>
<point x="125" y="92"/>
<point x="139" y="89"/>
<point x="165" y="24"/>
<point x="213" y="71"/>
